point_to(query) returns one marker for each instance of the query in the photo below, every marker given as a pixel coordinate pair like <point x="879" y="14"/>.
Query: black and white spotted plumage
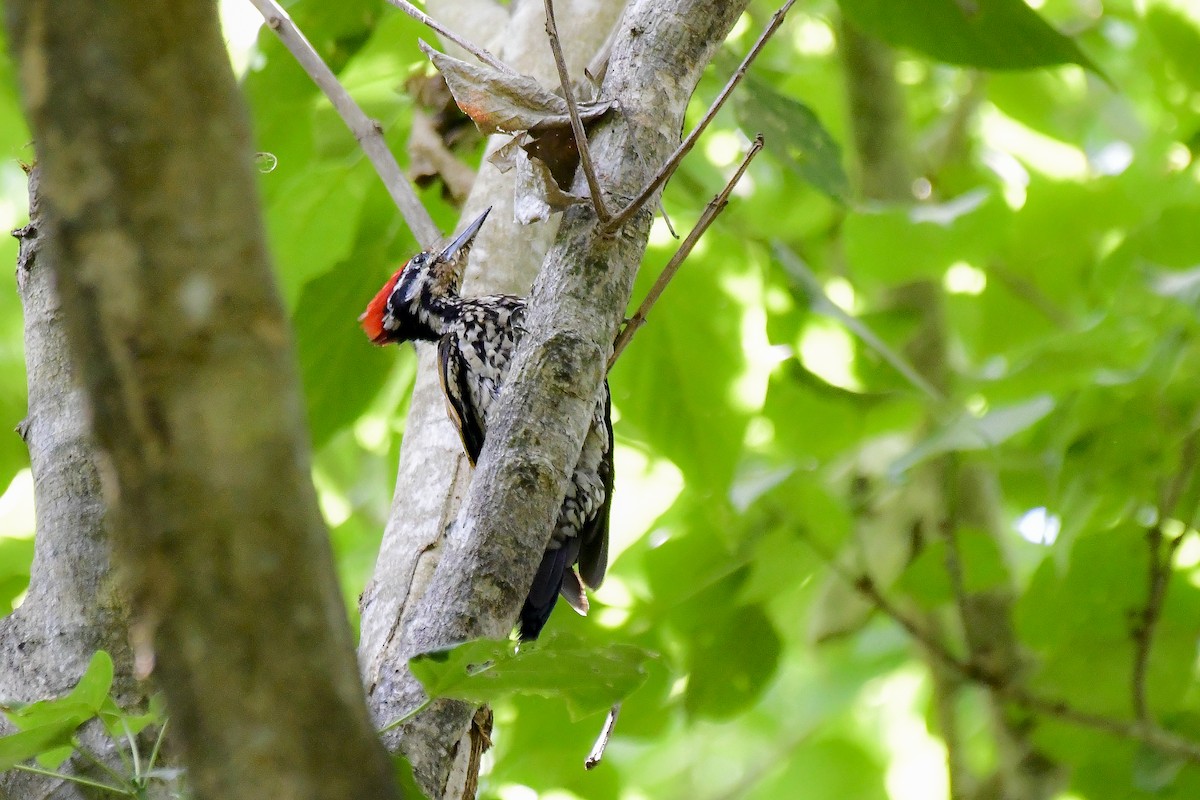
<point x="476" y="339"/>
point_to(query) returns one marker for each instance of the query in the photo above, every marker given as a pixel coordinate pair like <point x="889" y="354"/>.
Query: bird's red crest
<point x="372" y="319"/>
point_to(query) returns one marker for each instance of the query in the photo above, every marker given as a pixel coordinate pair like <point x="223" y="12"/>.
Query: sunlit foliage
<point x="1052" y="245"/>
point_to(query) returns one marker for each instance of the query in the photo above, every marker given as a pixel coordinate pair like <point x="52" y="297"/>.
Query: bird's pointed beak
<point x="464" y="238"/>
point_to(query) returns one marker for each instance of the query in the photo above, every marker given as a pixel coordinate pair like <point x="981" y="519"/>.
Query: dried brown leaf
<point x="536" y="194"/>
<point x="504" y="158"/>
<point x="429" y="159"/>
<point x="505" y="102"/>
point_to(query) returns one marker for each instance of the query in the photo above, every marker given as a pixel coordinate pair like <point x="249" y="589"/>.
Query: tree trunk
<point x="72" y="607"/>
<point x="187" y="364"/>
<point x="475" y="577"/>
<point x="434" y="471"/>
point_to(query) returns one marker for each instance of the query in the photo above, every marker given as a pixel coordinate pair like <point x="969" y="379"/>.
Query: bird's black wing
<point x="593" y="539"/>
<point x="452" y="370"/>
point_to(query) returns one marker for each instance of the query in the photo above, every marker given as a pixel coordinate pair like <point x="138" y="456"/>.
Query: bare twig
<point x="1173" y="492"/>
<point x="1134" y="730"/>
<point x="953" y="561"/>
<point x="1143" y="632"/>
<point x="366" y="130"/>
<point x="796" y="267"/>
<point x="672" y="163"/>
<point x="1158" y="576"/>
<point x="597" y="68"/>
<point x="441" y="30"/>
<point x="601" y="744"/>
<point x="710" y="213"/>
<point x="865" y="585"/>
<point x="666" y="218"/>
<point x="1028" y="291"/>
<point x="581" y="143"/>
<point x="1146" y="733"/>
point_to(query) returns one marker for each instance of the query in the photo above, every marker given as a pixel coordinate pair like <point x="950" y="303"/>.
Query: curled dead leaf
<point x="430" y="159"/>
<point x="501" y="102"/>
<point x="537" y="195"/>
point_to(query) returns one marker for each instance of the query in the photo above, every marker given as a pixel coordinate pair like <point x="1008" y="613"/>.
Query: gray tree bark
<point x="73" y="606"/>
<point x="434" y="472"/>
<point x="477" y="573"/>
<point x="187" y="365"/>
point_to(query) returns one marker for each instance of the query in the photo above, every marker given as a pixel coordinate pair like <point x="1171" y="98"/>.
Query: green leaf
<point x="53" y="759"/>
<point x="892" y="245"/>
<point x="731" y="663"/>
<point x="828" y="769"/>
<point x="313" y="221"/>
<point x="47" y="712"/>
<point x="926" y="579"/>
<point x="117" y="719"/>
<point x="16" y="557"/>
<point x="407" y="781"/>
<point x="341" y="370"/>
<point x="48" y="725"/>
<point x="1179" y="39"/>
<point x="1170" y="239"/>
<point x="24" y="745"/>
<point x="967" y="433"/>
<point x="1155" y="771"/>
<point x="990" y="34"/>
<point x="700" y="428"/>
<point x="588" y="678"/>
<point x="93" y="688"/>
<point x="794" y="135"/>
<point x="82" y="703"/>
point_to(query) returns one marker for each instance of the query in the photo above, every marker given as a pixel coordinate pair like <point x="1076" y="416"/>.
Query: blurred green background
<point x="1042" y="272"/>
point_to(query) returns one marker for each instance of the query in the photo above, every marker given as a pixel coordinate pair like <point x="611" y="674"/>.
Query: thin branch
<point x="1143" y="632"/>
<point x="406" y="716"/>
<point x="1158" y="576"/>
<point x="1146" y="733"/>
<point x="666" y="218"/>
<point x="953" y="561"/>
<point x="367" y="131"/>
<point x="480" y="53"/>
<point x="1134" y="730"/>
<point x="1027" y="290"/>
<point x="796" y="267"/>
<point x="610" y="722"/>
<point x="672" y="163"/>
<point x="74" y="779"/>
<point x="162" y="732"/>
<point x="99" y="762"/>
<point x="865" y="585"/>
<point x="710" y="213"/>
<point x="581" y="143"/>
<point x="441" y="30"/>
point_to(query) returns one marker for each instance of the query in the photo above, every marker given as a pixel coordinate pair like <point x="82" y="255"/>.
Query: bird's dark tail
<point x="544" y="592"/>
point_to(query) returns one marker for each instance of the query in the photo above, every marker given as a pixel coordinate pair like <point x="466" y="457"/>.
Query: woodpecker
<point x="476" y="338"/>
